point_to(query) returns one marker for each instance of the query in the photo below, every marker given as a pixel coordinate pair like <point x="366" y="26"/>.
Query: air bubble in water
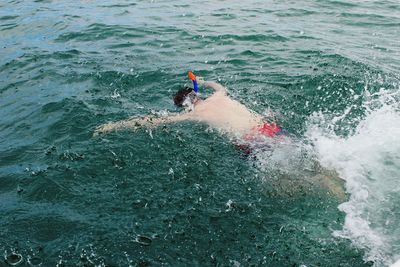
<point x="13" y="259"/>
<point x="143" y="240"/>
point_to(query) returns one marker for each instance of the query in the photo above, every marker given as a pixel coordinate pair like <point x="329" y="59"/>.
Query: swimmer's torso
<point x="226" y="114"/>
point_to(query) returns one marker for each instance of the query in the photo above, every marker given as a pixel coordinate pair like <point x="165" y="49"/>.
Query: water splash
<point x="369" y="161"/>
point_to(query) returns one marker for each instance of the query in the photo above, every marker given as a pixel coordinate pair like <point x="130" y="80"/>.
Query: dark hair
<point x="181" y="95"/>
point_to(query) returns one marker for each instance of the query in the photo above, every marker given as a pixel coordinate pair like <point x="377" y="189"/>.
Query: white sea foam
<point x="396" y="264"/>
<point x="369" y="162"/>
<point x="286" y="154"/>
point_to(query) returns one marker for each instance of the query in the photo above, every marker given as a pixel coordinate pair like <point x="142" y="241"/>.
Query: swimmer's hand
<point x="200" y="80"/>
<point x="216" y="86"/>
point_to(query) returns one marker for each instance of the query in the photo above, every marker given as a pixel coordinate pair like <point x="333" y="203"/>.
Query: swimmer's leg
<point x="333" y="183"/>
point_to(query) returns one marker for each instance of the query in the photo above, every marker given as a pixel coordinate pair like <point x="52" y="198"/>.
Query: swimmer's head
<point x="185" y="97"/>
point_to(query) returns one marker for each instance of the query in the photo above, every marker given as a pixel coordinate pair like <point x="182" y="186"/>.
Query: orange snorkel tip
<point x="191" y="76"/>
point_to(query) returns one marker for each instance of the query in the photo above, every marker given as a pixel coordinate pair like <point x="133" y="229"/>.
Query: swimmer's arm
<point x="216" y="86"/>
<point x="135" y="123"/>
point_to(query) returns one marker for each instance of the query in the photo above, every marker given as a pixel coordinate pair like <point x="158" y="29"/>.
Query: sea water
<point x="368" y="161"/>
<point x="326" y="194"/>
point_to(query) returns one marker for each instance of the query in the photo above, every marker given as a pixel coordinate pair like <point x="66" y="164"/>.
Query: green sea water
<point x="182" y="195"/>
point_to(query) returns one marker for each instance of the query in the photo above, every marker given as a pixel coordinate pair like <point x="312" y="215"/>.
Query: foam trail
<point x="285" y="154"/>
<point x="369" y="161"/>
<point x="396" y="264"/>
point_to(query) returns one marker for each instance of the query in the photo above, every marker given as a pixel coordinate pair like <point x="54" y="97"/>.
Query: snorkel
<point x="193" y="78"/>
<point x="190" y="97"/>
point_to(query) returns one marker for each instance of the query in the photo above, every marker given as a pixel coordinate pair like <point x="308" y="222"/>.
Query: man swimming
<point x="248" y="130"/>
<point x="219" y="111"/>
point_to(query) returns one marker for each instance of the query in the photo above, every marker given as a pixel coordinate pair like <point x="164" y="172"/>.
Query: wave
<point x="368" y="159"/>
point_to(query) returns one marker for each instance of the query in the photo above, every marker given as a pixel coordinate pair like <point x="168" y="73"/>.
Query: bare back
<point x="222" y="112"/>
